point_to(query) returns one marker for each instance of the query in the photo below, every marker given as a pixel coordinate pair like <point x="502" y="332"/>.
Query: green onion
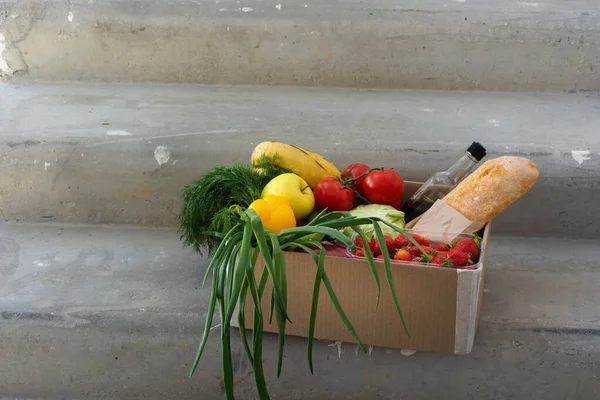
<point x="233" y="277"/>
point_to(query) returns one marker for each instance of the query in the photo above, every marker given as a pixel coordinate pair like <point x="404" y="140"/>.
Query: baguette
<point x="493" y="186"/>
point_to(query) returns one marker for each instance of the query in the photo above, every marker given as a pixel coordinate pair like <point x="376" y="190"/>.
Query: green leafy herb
<point x="213" y="205"/>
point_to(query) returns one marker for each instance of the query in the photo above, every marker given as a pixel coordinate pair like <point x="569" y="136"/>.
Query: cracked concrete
<point x="419" y="44"/>
<point x="16" y="22"/>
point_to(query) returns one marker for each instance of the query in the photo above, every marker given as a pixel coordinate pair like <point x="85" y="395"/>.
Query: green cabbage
<point x="386" y="213"/>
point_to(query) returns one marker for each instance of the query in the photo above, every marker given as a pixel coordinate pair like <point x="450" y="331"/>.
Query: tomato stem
<point x="349" y="183"/>
<point x="360" y="196"/>
<point x="352" y="181"/>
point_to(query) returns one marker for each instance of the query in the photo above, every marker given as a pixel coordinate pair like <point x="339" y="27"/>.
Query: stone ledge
<point x="105" y="312"/>
<point x="420" y="44"/>
<point x="89" y="153"/>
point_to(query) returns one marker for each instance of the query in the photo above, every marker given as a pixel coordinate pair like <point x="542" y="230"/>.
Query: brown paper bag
<point x="444" y="221"/>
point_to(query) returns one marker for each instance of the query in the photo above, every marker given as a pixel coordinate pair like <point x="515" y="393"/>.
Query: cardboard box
<point x="441" y="306"/>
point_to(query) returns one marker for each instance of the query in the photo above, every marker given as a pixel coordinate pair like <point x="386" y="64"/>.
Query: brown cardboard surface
<point x="483" y="259"/>
<point x="427" y="296"/>
<point x="441" y="306"/>
<point x="468" y="301"/>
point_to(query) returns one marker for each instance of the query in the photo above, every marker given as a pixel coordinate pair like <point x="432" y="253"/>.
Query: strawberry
<point x="389" y="243"/>
<point x="403" y="255"/>
<point x="372" y="243"/>
<point x="422" y="240"/>
<point x="380" y="256"/>
<point x="437" y="260"/>
<point x="417" y="253"/>
<point x="458" y="258"/>
<point x="442" y="253"/>
<point x="414" y="251"/>
<point x="401" y="241"/>
<point x="442" y="247"/>
<point x="359" y="243"/>
<point x="431" y="257"/>
<point x="468" y="246"/>
<point x="360" y="253"/>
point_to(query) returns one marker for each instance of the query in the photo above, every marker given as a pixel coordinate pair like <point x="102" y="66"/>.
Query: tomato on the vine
<point x="353" y="171"/>
<point x="331" y="194"/>
<point x="383" y="186"/>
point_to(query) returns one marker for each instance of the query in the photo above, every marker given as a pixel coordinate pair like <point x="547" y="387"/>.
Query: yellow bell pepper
<point x="275" y="213"/>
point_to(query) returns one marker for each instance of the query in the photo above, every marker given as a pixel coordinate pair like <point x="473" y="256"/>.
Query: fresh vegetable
<point x="458" y="258"/>
<point x="354" y="171"/>
<point x="213" y="204"/>
<point x="295" y="190"/>
<point x="383" y="212"/>
<point x="312" y="167"/>
<point x="469" y="247"/>
<point x="403" y="255"/>
<point x="383" y="186"/>
<point x="332" y="195"/>
<point x="312" y="215"/>
<point x="233" y="279"/>
<point x="396" y="204"/>
<point x="275" y="212"/>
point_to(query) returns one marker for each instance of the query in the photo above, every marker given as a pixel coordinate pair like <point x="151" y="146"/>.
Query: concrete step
<point x="117" y="312"/>
<point x="110" y="153"/>
<point x="513" y="45"/>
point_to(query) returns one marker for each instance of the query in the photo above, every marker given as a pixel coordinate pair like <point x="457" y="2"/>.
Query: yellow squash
<point x="312" y="167"/>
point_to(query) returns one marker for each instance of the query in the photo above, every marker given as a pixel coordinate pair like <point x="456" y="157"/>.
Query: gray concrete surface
<point x="99" y="153"/>
<point x="513" y="45"/>
<point x="116" y="313"/>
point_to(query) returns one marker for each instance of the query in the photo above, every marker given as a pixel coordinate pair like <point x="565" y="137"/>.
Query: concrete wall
<point x="423" y="44"/>
<point x="103" y="313"/>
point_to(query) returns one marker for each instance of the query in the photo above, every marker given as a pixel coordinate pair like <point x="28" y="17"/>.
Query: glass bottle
<point x="441" y="183"/>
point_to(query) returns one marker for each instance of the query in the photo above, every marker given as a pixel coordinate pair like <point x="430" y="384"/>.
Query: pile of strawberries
<point x="462" y="254"/>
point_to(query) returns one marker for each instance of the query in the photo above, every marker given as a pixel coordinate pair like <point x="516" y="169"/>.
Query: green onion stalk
<point x="233" y="278"/>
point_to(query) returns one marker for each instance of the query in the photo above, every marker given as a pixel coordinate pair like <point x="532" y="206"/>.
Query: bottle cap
<point x="477" y="151"/>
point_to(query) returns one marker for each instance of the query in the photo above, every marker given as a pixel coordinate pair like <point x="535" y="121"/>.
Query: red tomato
<point x="383" y="187"/>
<point x="396" y="204"/>
<point x="354" y="171"/>
<point x="331" y="194"/>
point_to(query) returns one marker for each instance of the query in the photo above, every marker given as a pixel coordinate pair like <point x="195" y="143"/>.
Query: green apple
<point x="295" y="190"/>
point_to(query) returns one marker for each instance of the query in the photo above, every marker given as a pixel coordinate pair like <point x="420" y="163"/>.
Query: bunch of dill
<point x="213" y="204"/>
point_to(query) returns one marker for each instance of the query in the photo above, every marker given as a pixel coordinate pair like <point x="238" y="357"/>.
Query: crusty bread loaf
<point x="492" y="187"/>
